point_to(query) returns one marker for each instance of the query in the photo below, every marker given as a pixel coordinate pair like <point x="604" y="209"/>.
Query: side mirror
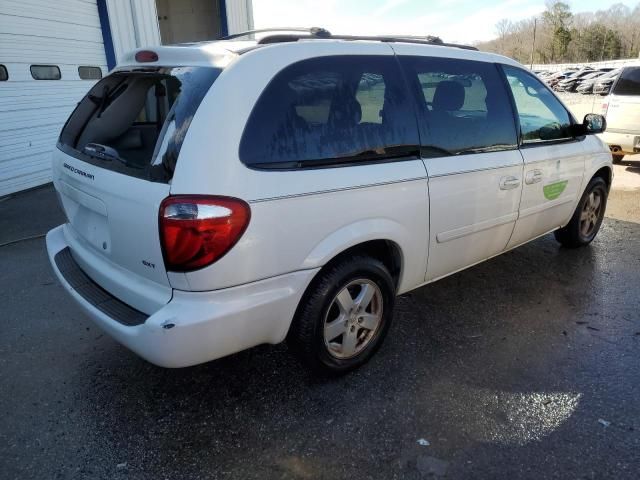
<point x="594" y="123"/>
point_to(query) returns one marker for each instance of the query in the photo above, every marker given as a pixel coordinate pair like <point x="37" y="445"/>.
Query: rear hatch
<point x="113" y="167"/>
<point x="623" y="111"/>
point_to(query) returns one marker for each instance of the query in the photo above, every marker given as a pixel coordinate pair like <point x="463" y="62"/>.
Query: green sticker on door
<point x="553" y="190"/>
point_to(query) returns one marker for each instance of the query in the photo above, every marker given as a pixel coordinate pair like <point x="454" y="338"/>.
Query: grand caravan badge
<point x="78" y="171"/>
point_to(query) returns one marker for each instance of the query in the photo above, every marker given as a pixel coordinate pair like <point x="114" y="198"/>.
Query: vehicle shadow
<point x="632" y="166"/>
<point x="496" y="331"/>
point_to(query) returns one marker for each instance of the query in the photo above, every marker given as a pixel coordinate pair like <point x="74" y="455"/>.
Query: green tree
<point x="557" y="18"/>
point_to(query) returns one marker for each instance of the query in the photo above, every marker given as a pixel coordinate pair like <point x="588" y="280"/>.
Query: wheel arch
<point x="384" y="239"/>
<point x="606" y="173"/>
<point x="387" y="251"/>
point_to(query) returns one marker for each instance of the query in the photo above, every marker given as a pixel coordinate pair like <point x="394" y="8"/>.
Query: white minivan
<point x="227" y="194"/>
<point x="622" y="111"/>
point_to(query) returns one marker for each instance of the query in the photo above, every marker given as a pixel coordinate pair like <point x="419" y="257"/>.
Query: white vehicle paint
<point x="433" y="213"/>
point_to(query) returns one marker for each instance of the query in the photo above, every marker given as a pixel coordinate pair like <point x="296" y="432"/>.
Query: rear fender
<point x="367" y="230"/>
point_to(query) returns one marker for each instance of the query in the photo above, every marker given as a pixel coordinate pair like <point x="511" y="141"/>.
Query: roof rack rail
<point x="316" y="32"/>
<point x="390" y="39"/>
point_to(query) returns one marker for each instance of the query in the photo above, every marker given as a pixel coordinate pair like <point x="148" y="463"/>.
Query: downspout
<point x="105" y="28"/>
<point x="224" y="24"/>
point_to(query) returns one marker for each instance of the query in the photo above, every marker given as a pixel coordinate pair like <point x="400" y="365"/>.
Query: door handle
<point x="533" y="176"/>
<point x="509" y="183"/>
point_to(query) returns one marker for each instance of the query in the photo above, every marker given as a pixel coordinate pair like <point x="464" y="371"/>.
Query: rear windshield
<point x="134" y="122"/>
<point x="629" y="82"/>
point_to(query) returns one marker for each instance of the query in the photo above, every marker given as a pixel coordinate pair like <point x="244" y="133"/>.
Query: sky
<point x="463" y="21"/>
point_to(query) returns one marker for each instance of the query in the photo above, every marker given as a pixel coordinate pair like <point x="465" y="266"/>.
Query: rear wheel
<point x="617" y="158"/>
<point x="344" y="316"/>
<point x="587" y="218"/>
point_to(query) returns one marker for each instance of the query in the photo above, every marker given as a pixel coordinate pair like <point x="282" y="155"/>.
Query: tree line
<point x="565" y="37"/>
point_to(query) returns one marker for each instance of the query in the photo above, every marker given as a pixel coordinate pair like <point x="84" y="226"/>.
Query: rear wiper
<point x="104" y="152"/>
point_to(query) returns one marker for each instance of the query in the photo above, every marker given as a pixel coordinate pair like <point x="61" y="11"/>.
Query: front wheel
<point x="587" y="218"/>
<point x="617" y="158"/>
<point x="344" y="316"/>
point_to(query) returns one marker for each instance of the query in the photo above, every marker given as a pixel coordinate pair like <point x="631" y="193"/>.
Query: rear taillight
<point x="195" y="230"/>
<point x="144" y="56"/>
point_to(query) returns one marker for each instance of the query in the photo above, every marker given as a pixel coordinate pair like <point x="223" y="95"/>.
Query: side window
<point x="89" y="73"/>
<point x="628" y="83"/>
<point x="4" y="75"/>
<point x="463" y="105"/>
<point x="45" y="72"/>
<point x="331" y="110"/>
<point x="542" y="116"/>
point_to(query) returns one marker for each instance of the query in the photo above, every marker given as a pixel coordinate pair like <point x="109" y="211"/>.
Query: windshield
<point x="134" y="122"/>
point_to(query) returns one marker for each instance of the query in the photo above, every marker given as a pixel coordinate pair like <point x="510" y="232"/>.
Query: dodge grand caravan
<point x="233" y="193"/>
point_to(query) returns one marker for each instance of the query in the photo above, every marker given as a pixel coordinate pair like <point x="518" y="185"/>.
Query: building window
<point x="45" y="72"/>
<point x="4" y="75"/>
<point x="89" y="73"/>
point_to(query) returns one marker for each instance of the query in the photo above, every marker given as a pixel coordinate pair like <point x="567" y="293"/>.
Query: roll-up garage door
<point x="51" y="53"/>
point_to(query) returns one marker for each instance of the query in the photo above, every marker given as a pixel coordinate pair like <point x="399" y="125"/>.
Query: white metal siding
<point x="239" y="15"/>
<point x="65" y="33"/>
<point x="133" y="24"/>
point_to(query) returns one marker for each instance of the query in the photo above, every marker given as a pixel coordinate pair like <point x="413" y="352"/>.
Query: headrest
<point x="449" y="96"/>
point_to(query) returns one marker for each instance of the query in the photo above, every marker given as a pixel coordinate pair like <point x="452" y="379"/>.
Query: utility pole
<point x="533" y="46"/>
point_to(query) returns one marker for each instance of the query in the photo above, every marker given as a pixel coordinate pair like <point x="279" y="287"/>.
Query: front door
<point x="469" y="147"/>
<point x="553" y="159"/>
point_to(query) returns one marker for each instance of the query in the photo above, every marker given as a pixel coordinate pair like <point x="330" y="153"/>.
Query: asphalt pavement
<point x="526" y="366"/>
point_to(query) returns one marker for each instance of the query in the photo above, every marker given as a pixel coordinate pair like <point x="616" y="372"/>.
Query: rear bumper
<point x="628" y="142"/>
<point x="194" y="327"/>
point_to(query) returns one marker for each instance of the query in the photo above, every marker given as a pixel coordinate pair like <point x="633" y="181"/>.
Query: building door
<point x="52" y="53"/>
<point x="184" y="21"/>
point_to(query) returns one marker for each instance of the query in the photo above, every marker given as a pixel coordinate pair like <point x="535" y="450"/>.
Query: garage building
<point x="52" y="52"/>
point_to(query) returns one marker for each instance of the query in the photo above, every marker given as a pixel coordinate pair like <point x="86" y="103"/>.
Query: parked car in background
<point x="570" y="83"/>
<point x="228" y="194"/>
<point x="602" y="85"/>
<point x="622" y="111"/>
<point x="587" y="84"/>
<point x="554" y="78"/>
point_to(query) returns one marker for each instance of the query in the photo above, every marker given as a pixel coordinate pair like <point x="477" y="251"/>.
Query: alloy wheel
<point x="353" y="318"/>
<point x="590" y="214"/>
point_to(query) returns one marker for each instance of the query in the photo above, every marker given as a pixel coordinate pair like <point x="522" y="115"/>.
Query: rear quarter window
<point x="331" y="110"/>
<point x="628" y="83"/>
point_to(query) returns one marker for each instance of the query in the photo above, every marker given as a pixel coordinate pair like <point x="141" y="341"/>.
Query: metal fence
<point x="556" y="67"/>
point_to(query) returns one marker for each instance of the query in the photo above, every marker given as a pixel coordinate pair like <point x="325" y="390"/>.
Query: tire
<point x="320" y="307"/>
<point x="617" y="158"/>
<point x="586" y="220"/>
